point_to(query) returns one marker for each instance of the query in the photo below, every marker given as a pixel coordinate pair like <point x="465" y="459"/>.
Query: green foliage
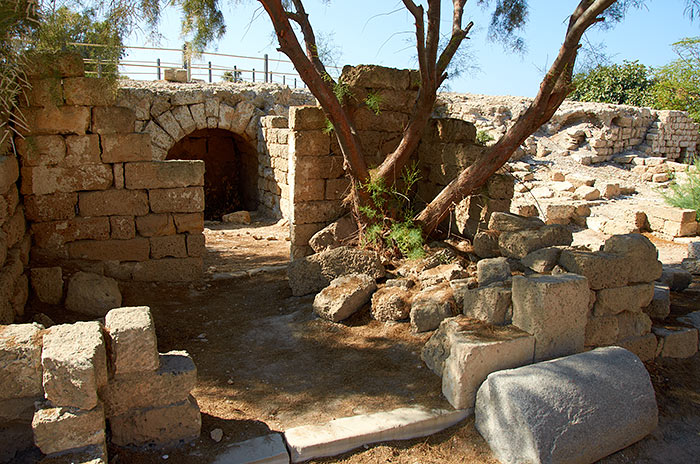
<point x="408" y="239"/>
<point x="232" y="76"/>
<point x="686" y="194"/>
<point x="483" y="137"/>
<point x="329" y="127"/>
<point x="678" y="86"/>
<point x="630" y="83"/>
<point x="374" y="102"/>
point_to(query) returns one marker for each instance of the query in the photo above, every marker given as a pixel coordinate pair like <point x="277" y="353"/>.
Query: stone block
<point x="692" y="319"/>
<point x="611" y="301"/>
<point x="520" y="243"/>
<point x="47" y="283"/>
<point x="344" y="296"/>
<point x="675" y="277"/>
<point x="268" y="449"/>
<point x="694" y="250"/>
<point x="554" y="309"/>
<point x="431" y="306"/>
<point x="464" y="352"/>
<point x="184" y="118"/>
<point x="340" y="435"/>
<point x="309" y="190"/>
<point x="660" y="306"/>
<point x="236" y="119"/>
<point x="168" y="270"/>
<point x="542" y="260"/>
<point x="15" y="228"/>
<point x="643" y="346"/>
<point x="122" y="227"/>
<point x="156" y="225"/>
<point x="42" y="208"/>
<point x="603" y="270"/>
<point x="74" y="361"/>
<point x="311" y="212"/>
<point x="41" y="150"/>
<point x="20" y="361"/>
<point x="175" y="75"/>
<point x="177" y="200"/>
<point x="82" y="150"/>
<point x="58" y="429"/>
<point x="88" y="91"/>
<point x="640" y="254"/>
<point x="632" y="324"/>
<point x="676" y="342"/>
<point x="602" y="331"/>
<point x="319" y="167"/>
<point x="615" y="406"/>
<point x="132" y="341"/>
<point x="9" y="172"/>
<point x="337" y="189"/>
<point x="303" y="118"/>
<point x="164" y="174"/>
<point x="157" y="426"/>
<point x="170" y="383"/>
<point x="42" y="180"/>
<point x="92" y="294"/>
<point x="18" y="410"/>
<point x="94" y="454"/>
<point x="489" y="271"/>
<point x="196" y="245"/>
<point x="671" y="214"/>
<point x="309" y="143"/>
<point x="679" y="229"/>
<point x="55" y="234"/>
<point x="137" y="249"/>
<point x="58" y="120"/>
<point x="45" y="92"/>
<point x="113" y="202"/>
<point x="486" y="244"/>
<point x="492" y="303"/>
<point x="192" y="223"/>
<point x="391" y="304"/>
<point x="171" y="246"/>
<point x="125" y="148"/>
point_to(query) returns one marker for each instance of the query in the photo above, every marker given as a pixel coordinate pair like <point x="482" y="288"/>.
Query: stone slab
<point x="344" y="296"/>
<point x="676" y="342"/>
<point x="20" y="360"/>
<point x="268" y="449"/>
<point x="345" y="434"/>
<point x="132" y="340"/>
<point x="58" y="429"/>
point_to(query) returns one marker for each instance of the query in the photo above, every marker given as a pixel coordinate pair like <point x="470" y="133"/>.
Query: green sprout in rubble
<point x="373" y="102"/>
<point x="483" y="137"/>
<point x="686" y="194"/>
<point x="329" y="127"/>
<point x="341" y="90"/>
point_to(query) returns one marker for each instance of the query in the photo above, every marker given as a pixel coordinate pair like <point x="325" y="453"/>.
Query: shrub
<point x="686" y="194"/>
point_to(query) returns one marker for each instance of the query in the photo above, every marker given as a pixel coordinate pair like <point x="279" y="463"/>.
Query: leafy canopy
<point x="678" y="86"/>
<point x="629" y="83"/>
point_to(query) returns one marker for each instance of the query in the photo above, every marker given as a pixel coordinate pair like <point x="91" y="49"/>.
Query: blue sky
<point x="366" y="31"/>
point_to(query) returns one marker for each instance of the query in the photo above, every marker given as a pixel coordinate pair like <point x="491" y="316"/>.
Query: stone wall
<point x="62" y="387"/>
<point x="592" y="132"/>
<point x="273" y="166"/>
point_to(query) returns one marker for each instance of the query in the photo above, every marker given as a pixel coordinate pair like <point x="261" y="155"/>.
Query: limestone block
<point x="587" y="193"/>
<point x="694" y="250"/>
<point x="184" y="118"/>
<point x="318" y="167"/>
<point x="633" y="324"/>
<point x="309" y="190"/>
<point x="601" y="331"/>
<point x="603" y="270"/>
<point x="156" y="225"/>
<point x="486" y="244"/>
<point x="311" y="212"/>
<point x="137" y="249"/>
<point x="18" y="410"/>
<point x="678" y="229"/>
<point x="196" y="245"/>
<point x="268" y="449"/>
<point x="692" y="319"/>
<point x="113" y="202"/>
<point x="164" y="174"/>
<point x="309" y="143"/>
<point x="74" y="360"/>
<point x="660" y="305"/>
<point x="344" y="296"/>
<point x="41" y="208"/>
<point x="199" y="116"/>
<point x="88" y="91"/>
<point x="132" y="340"/>
<point x="158" y="425"/>
<point x="92" y="294"/>
<point x="175" y="75"/>
<point x="611" y="301"/>
<point x="41" y="150"/>
<point x="489" y="271"/>
<point x="491" y="303"/>
<point x="58" y="120"/>
<point x="94" y="454"/>
<point x="615" y="406"/>
<point x="168" y="122"/>
<point x="391" y="304"/>
<point x="168" y="270"/>
<point x="81" y="150"/>
<point x="122" y="227"/>
<point x="315" y="272"/>
<point x="58" y="429"/>
<point x="431" y="306"/>
<point x="172" y="246"/>
<point x="9" y="172"/>
<point x="640" y="255"/>
<point x="671" y="214"/>
<point x="159" y="138"/>
<point x="47" y="283"/>
<point x="518" y="244"/>
<point x="643" y="346"/>
<point x="691" y="265"/>
<point x="57" y="233"/>
<point x="42" y="180"/>
<point x="542" y="260"/>
<point x="508" y="222"/>
<point x="15" y="228"/>
<point x="676" y="342"/>
<point x="20" y="361"/>
<point x="124" y="148"/>
<point x="333" y="235"/>
<point x="677" y="278"/>
<point x="238" y="217"/>
<point x="191" y="223"/>
<point x="238" y="119"/>
<point x="303" y="118"/>
<point x="21" y="294"/>
<point x="554" y="309"/>
<point x="177" y="200"/>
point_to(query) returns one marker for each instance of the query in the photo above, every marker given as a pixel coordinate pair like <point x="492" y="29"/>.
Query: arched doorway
<point x="231" y="176"/>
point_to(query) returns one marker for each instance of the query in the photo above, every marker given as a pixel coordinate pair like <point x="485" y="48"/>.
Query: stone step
<point x="341" y="435"/>
<point x="268" y="449"/>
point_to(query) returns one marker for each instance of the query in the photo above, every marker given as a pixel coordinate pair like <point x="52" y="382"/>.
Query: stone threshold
<point x="248" y="273"/>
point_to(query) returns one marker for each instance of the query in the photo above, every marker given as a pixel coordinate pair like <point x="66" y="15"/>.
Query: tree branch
<point x="302" y="19"/>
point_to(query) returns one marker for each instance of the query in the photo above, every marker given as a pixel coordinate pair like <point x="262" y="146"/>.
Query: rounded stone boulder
<point x="92" y="294"/>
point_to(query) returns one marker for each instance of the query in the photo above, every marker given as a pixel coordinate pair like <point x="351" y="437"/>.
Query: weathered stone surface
<point x="492" y="303"/>
<point x="58" y="119"/>
<point x="168" y="270"/>
<point x="315" y="272"/>
<point x="164" y="174"/>
<point x="676" y="342"/>
<point x="676" y="278"/>
<point x="692" y="319"/>
<point x="54" y="207"/>
<point x="554" y="309"/>
<point x="88" y="91"/>
<point x="611" y="301"/>
<point x="520" y="243"/>
<point x="542" y="260"/>
<point x="41" y="150"/>
<point x="93" y="454"/>
<point x="344" y="296"/>
<point x="92" y="294"/>
<point x="486" y="244"/>
<point x="640" y="256"/>
<point x="47" y="283"/>
<point x="509" y="222"/>
<point x="132" y="340"/>
<point x="58" y="429"/>
<point x="660" y="305"/>
<point x="391" y="304"/>
<point x="615" y="406"/>
<point x="463" y="352"/>
<point x="643" y="346"/>
<point x="191" y="223"/>
<point x="113" y="202"/>
<point x="333" y="235"/>
<point x="601" y="331"/>
<point x="173" y="246"/>
<point x="124" y="148"/>
<point x="585" y="192"/>
<point x="489" y="271"/>
<point x="136" y="249"/>
<point x="431" y="306"/>
<point x="633" y="324"/>
<point x="157" y="426"/>
<point x="171" y="383"/>
<point x="238" y="217"/>
<point x="177" y="200"/>
<point x="20" y="361"/>
<point x="43" y="180"/>
<point x="74" y="360"/>
<point x="691" y="265"/>
<point x="603" y="270"/>
<point x="694" y="250"/>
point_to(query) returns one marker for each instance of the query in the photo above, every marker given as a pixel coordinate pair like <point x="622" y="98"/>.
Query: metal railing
<point x="220" y="67"/>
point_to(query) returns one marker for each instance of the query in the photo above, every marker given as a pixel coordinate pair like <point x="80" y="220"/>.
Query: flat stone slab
<point x="676" y="342"/>
<point x="576" y="409"/>
<point x="341" y="435"/>
<point x="269" y="449"/>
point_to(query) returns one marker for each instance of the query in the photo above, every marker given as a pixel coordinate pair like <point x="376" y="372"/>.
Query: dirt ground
<point x="265" y="363"/>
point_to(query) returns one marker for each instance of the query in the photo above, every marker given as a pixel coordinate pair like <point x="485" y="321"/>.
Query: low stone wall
<point x="62" y="387"/>
<point x="273" y="182"/>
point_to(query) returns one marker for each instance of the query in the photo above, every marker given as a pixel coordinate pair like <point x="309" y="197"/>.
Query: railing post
<point x="99" y="68"/>
<point x="266" y="68"/>
<point x="283" y="79"/>
<point x="235" y="73"/>
<point x="253" y="74"/>
<point x="210" y="72"/>
<point x="158" y="67"/>
<point x="295" y="82"/>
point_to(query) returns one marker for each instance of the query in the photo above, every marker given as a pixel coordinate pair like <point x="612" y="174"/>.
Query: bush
<point x="686" y="194"/>
<point x="630" y="83"/>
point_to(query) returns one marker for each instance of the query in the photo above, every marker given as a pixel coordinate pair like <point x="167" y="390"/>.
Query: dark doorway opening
<point x="231" y="177"/>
